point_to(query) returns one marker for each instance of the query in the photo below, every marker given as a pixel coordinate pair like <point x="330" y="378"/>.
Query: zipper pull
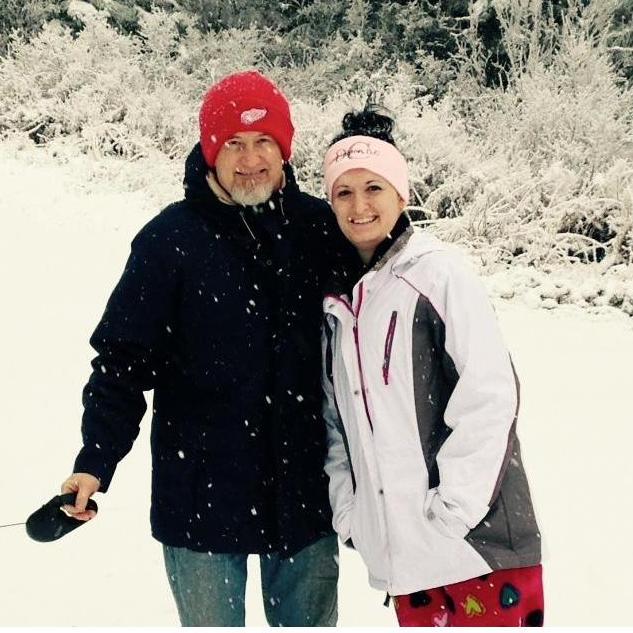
<point x="281" y="208"/>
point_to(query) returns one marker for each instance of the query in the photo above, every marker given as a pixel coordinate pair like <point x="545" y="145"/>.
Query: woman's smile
<point x="363" y="221"/>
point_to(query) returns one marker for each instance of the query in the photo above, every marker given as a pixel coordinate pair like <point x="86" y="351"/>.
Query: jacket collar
<point x="400" y="252"/>
<point x="393" y="243"/>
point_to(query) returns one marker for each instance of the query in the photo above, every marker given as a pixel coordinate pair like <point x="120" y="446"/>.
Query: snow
<point x="68" y="222"/>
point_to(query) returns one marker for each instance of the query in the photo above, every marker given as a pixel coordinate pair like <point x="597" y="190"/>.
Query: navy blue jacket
<point x="219" y="312"/>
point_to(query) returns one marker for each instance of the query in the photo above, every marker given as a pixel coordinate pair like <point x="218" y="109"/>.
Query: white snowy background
<point x="67" y="222"/>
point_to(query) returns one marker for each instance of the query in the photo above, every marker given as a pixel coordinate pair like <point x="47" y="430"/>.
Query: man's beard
<point x="251" y="194"/>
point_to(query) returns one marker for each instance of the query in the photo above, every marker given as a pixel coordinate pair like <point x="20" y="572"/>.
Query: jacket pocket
<point x="441" y="518"/>
<point x="388" y="345"/>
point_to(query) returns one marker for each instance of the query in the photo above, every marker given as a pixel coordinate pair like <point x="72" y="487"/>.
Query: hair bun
<point x="372" y="120"/>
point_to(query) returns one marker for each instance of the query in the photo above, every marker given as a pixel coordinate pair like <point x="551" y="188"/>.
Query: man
<point x="219" y="311"/>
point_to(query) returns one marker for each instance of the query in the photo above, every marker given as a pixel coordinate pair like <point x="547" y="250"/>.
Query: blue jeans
<point x="209" y="589"/>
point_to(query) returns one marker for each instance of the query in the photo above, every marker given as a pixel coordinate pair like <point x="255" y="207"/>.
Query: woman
<point x="426" y="480"/>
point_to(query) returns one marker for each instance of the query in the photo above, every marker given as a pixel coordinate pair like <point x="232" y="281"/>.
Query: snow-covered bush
<point x="551" y="155"/>
<point x="582" y="285"/>
<point x="317" y="121"/>
<point x="115" y="93"/>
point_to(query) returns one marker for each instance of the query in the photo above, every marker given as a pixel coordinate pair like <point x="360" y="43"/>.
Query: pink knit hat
<point x="366" y="152"/>
<point x="244" y="102"/>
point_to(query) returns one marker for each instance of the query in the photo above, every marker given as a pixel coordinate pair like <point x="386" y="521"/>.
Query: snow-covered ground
<point x="66" y="227"/>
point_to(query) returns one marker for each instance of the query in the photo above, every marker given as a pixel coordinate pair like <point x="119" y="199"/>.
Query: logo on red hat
<point x="248" y="117"/>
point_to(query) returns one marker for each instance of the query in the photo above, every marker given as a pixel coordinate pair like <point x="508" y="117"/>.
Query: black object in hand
<point x="50" y="522"/>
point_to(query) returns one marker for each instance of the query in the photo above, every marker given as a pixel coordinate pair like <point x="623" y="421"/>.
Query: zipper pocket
<point x="388" y="345"/>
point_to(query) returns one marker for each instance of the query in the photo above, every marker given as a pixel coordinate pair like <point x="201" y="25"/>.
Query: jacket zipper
<point x="246" y="224"/>
<point x="281" y="208"/>
<point x="360" y="365"/>
<point x="355" y="314"/>
<point x="362" y="381"/>
<point x="388" y="345"/>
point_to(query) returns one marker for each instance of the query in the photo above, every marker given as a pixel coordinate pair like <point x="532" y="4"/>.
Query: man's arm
<point x="131" y="341"/>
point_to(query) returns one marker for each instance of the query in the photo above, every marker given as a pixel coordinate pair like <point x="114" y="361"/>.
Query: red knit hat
<point x="244" y="102"/>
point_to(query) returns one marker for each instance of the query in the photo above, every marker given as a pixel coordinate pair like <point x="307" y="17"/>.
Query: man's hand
<point x="85" y="485"/>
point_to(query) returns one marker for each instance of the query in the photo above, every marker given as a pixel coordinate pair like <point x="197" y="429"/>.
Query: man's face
<point x="249" y="166"/>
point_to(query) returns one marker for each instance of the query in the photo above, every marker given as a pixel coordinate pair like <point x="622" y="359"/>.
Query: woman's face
<point x="366" y="208"/>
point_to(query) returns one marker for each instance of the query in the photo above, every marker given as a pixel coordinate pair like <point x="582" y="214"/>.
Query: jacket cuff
<point x="97" y="464"/>
<point x="341" y="523"/>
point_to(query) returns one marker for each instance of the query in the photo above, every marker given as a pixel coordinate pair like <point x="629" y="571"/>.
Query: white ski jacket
<point x="421" y="400"/>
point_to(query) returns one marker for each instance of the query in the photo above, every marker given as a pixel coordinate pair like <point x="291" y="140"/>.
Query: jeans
<point x="209" y="589"/>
